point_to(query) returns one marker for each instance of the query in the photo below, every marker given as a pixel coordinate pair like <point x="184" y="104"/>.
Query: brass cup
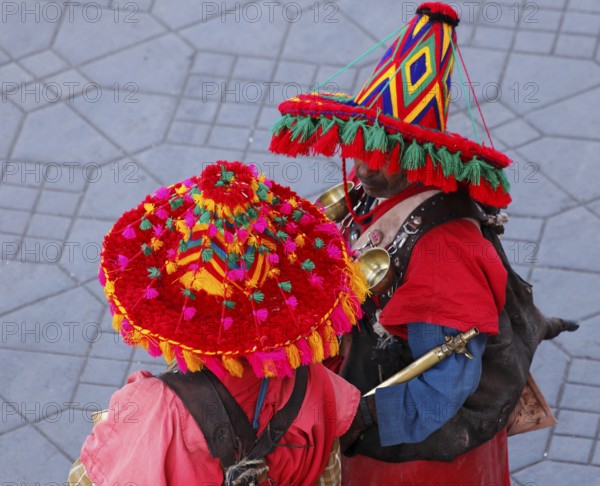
<point x="333" y="201"/>
<point x="375" y="264"/>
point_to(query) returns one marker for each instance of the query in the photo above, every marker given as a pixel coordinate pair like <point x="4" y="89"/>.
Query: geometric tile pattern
<point x="101" y="105"/>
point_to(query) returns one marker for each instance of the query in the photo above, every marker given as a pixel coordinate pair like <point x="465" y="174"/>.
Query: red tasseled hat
<point x="228" y="266"/>
<point x="399" y="117"/>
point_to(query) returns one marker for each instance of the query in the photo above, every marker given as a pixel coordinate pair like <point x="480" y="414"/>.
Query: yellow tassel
<point x="117" y="320"/>
<point x="330" y="339"/>
<point x="316" y="346"/>
<point x="167" y="351"/>
<point x="144" y="343"/>
<point x="109" y="288"/>
<point x="293" y="202"/>
<point x="194" y="363"/>
<point x="156" y="243"/>
<point x="299" y="241"/>
<point x="269" y="369"/>
<point x="149" y="207"/>
<point x="293" y="355"/>
<point x="274" y="272"/>
<point x="172" y="267"/>
<point x="183" y="229"/>
<point x="233" y="366"/>
<point x="358" y="282"/>
<point x="181" y="190"/>
<point x="186" y="279"/>
<point x="292" y="257"/>
<point x="349" y="310"/>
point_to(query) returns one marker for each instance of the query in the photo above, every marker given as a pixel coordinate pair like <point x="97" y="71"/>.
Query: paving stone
<point x="110" y="345"/>
<point x="534" y="42"/>
<point x="49" y="226"/>
<point x="119" y="189"/>
<point x="596" y="458"/>
<point x="12" y="74"/>
<point x="541" y="78"/>
<point x="260" y="140"/>
<point x="238" y="114"/>
<point x="484" y="65"/>
<point x="324" y="43"/>
<point x="537" y="17"/>
<point x="156" y="369"/>
<point x="197" y="110"/>
<point x="527" y="449"/>
<point x="549" y="363"/>
<point x="133" y="125"/>
<point x="212" y="63"/>
<point x="229" y="138"/>
<point x="576" y="46"/>
<point x="585" y="6"/>
<point x="18" y="197"/>
<point x="581" y="23"/>
<point x="534" y="194"/>
<point x="50" y="464"/>
<point x="549" y="472"/>
<point x="190" y="160"/>
<point x="570" y="164"/>
<point x="11" y="416"/>
<point x="349" y="82"/>
<point x="526" y="229"/>
<point x="176" y="13"/>
<point x="253" y="68"/>
<point x="94" y="397"/>
<point x="577" y="423"/>
<point x="68" y="429"/>
<point x="516" y="133"/>
<point x="47" y="380"/>
<point x="56" y="127"/>
<point x="566" y="250"/>
<point x="10" y="118"/>
<point x="69" y="85"/>
<point x="104" y="36"/>
<point x="43" y="63"/>
<point x="585" y="372"/>
<point x="268" y="116"/>
<point x="158" y="65"/>
<point x="209" y="87"/>
<point x="374" y="18"/>
<point x="582" y="120"/>
<point x="188" y="133"/>
<point x="45" y="326"/>
<point x="301" y="73"/>
<point x="266" y="37"/>
<point x="563" y="293"/>
<point x="492" y="38"/>
<point x="86" y="238"/>
<point x="58" y="202"/>
<point x="572" y="449"/>
<point x="104" y="372"/>
<point x="580" y="397"/>
<point x="23" y="34"/>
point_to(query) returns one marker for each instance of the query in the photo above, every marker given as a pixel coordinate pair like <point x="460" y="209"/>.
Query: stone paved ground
<point x="102" y="102"/>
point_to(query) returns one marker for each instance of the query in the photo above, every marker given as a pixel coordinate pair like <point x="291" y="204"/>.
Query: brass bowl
<point x="333" y="201"/>
<point x="375" y="264"/>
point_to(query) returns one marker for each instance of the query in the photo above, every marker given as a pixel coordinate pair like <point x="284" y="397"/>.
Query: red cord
<point x="475" y="96"/>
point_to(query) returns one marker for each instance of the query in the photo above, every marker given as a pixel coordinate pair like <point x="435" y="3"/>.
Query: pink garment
<point x="149" y="437"/>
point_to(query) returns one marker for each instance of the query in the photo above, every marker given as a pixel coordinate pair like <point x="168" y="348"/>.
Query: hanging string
<point x="397" y="32"/>
<point x="462" y="81"/>
<point x="475" y="97"/>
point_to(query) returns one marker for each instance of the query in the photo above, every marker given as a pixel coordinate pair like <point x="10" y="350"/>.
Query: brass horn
<point x="375" y="264"/>
<point x="333" y="201"/>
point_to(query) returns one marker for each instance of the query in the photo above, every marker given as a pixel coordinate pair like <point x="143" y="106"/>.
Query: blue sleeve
<point x="411" y="411"/>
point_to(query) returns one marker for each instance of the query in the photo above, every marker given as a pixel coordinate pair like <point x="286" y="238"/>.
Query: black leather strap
<point x="225" y="426"/>
<point x="436" y="210"/>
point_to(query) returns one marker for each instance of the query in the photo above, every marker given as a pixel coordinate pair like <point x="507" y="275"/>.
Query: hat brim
<point x="324" y="123"/>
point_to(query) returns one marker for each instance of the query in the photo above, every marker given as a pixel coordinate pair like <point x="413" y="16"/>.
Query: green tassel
<point x="503" y="181"/>
<point x="257" y="296"/>
<point x="376" y="138"/>
<point x="319" y="243"/>
<point x="282" y="235"/>
<point x="147" y="249"/>
<point x="248" y="258"/>
<point x="414" y="156"/>
<point x="183" y="246"/>
<point x="297" y="215"/>
<point x="204" y="218"/>
<point x="396" y="138"/>
<point x="145" y="224"/>
<point x="169" y="223"/>
<point x="287" y="286"/>
<point x="489" y="173"/>
<point x="229" y="304"/>
<point x="471" y="171"/>
<point x="188" y="293"/>
<point x="198" y="210"/>
<point x="447" y="161"/>
<point x="251" y="212"/>
<point x="153" y="272"/>
<point x="349" y="131"/>
<point x="308" y="265"/>
<point x="232" y="259"/>
<point x="281" y="124"/>
<point x="194" y="190"/>
<point x="326" y="124"/>
<point x="303" y="129"/>
<point x="207" y="255"/>
<point x="177" y="203"/>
